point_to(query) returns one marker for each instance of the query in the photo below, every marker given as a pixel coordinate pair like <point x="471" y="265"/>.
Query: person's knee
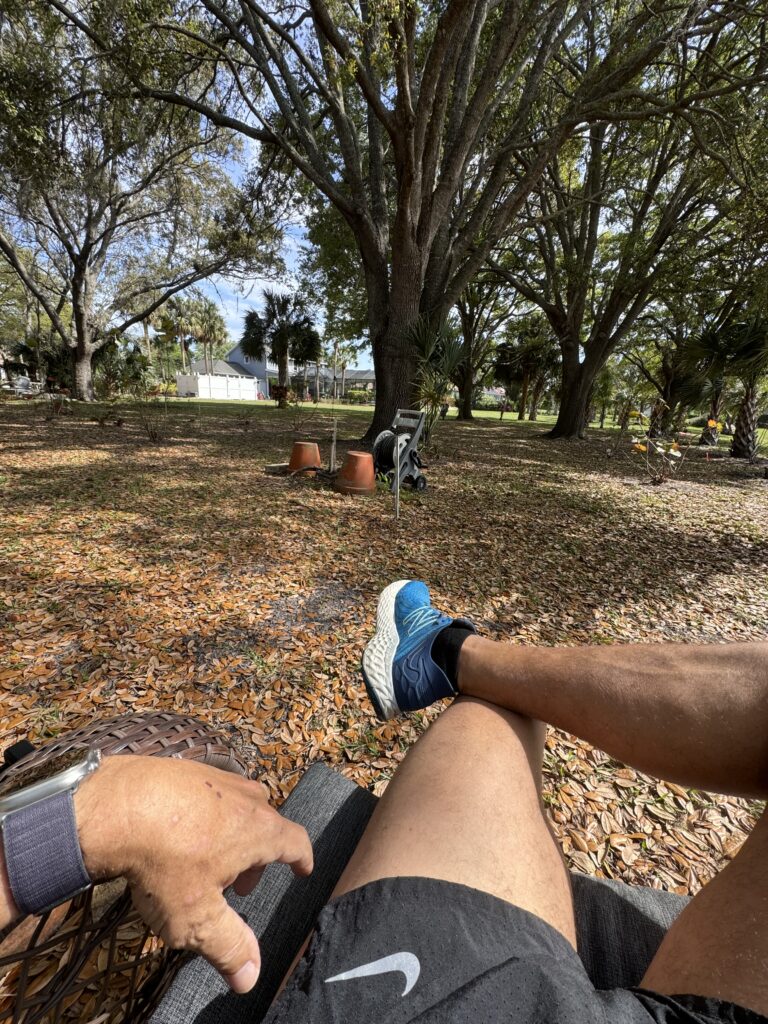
<point x="490" y="718"/>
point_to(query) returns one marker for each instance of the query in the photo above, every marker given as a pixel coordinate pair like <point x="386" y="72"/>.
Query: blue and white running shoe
<point x="398" y="669"/>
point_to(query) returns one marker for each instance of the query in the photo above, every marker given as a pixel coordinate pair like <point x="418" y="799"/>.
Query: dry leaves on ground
<point x="179" y="576"/>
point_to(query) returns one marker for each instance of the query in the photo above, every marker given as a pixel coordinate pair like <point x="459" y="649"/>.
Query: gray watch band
<point x="42" y="854"/>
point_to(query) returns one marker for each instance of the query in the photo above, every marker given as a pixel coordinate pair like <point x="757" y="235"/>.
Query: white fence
<point x="206" y="385"/>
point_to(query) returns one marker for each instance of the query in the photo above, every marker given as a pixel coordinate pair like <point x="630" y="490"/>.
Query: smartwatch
<point x="43" y="859"/>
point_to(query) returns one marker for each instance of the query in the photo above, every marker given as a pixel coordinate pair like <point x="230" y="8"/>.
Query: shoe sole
<point x="379" y="655"/>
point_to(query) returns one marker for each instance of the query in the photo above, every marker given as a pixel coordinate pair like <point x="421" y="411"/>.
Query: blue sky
<point x="235" y="297"/>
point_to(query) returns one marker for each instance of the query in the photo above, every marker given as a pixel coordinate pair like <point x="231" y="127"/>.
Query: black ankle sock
<point x="445" y="651"/>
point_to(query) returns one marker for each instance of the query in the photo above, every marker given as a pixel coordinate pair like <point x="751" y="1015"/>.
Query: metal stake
<point x="397" y="475"/>
<point x="332" y="467"/>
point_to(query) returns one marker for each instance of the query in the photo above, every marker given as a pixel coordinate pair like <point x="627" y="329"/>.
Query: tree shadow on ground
<point x="518" y="531"/>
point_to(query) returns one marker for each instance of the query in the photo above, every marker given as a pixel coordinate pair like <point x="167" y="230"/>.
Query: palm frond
<point x="254" y="338"/>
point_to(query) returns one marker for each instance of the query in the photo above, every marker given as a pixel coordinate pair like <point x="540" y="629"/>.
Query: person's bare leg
<point x="718" y="947"/>
<point x="465" y="807"/>
<point x="694" y="715"/>
<point x="690" y="714"/>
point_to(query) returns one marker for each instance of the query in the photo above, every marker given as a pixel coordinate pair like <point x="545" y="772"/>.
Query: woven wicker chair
<point x="93" y="958"/>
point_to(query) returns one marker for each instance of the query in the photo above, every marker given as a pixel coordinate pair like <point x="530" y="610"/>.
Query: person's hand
<point x="181" y="832"/>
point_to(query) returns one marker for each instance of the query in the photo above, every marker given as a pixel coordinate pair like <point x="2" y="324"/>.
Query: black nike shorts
<point x="402" y="950"/>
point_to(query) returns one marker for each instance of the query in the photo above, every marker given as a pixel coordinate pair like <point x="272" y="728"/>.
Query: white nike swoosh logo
<point x="407" y="963"/>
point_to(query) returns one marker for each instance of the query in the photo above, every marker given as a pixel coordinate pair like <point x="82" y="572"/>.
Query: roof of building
<point x="326" y="373"/>
<point x="222" y="368"/>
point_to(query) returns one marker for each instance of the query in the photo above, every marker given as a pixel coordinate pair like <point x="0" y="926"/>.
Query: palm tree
<point x="205" y="323"/>
<point x="182" y="313"/>
<point x="152" y="320"/>
<point x="174" y="324"/>
<point x="547" y="369"/>
<point x="710" y="358"/>
<point x="167" y="336"/>
<point x="284" y="330"/>
<point x="347" y="353"/>
<point x="438" y="350"/>
<point x="751" y="365"/>
<point x="530" y="359"/>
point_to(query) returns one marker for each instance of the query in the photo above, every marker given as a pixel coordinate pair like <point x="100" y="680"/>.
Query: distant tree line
<point x="464" y="166"/>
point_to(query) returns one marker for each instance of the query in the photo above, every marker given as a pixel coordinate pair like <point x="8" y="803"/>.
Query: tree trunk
<point x="668" y="420"/>
<point x="147" y="342"/>
<point x="395" y="368"/>
<point x="391" y="319"/>
<point x="84" y="373"/>
<point x="538" y="388"/>
<point x="578" y="380"/>
<point x="81" y="288"/>
<point x="678" y="419"/>
<point x="282" y="377"/>
<point x="317" y="381"/>
<point x="465" y="400"/>
<point x="744" y="444"/>
<point x="603" y="411"/>
<point x="524" y="396"/>
<point x="343" y="379"/>
<point x="656" y="422"/>
<point x="466" y="390"/>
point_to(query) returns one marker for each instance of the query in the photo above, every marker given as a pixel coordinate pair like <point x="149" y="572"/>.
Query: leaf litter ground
<point x="179" y="576"/>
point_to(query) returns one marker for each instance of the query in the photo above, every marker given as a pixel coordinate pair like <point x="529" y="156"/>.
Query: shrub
<point x="119" y="370"/>
<point x="359" y="396"/>
<point x="486" y="402"/>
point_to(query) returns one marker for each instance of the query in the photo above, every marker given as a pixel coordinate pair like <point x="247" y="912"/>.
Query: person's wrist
<point x="104" y="805"/>
<point x="8" y="909"/>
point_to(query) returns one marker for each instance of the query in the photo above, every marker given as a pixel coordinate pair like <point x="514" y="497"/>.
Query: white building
<point x="237" y="376"/>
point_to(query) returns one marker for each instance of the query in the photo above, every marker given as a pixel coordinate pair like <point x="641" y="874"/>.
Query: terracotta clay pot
<point x="357" y="475"/>
<point x="305" y="453"/>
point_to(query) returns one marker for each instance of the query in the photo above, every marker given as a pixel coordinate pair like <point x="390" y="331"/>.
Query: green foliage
<point x="330" y="270"/>
<point x="119" y="370"/>
<point x="283" y="330"/>
<point x="110" y="202"/>
<point x="485" y="401"/>
<point x="205" y="326"/>
<point x="439" y="353"/>
<point x="750" y="356"/>
<point x="420" y="130"/>
<point x="358" y="396"/>
<point x="530" y="353"/>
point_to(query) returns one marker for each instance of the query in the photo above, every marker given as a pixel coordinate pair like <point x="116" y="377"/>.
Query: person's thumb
<point x="233" y="949"/>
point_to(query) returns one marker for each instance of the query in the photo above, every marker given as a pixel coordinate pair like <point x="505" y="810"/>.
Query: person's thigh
<point x="465" y="806"/>
<point x="718" y="946"/>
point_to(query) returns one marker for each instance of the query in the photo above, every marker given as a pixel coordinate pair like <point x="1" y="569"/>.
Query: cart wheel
<point x="420" y="483"/>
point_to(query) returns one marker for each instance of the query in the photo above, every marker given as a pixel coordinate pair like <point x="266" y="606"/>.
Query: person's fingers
<point x="232" y="948"/>
<point x="246" y="881"/>
<point x="293" y="847"/>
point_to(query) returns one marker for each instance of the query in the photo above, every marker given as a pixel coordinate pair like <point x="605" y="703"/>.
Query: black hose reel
<point x="404" y="434"/>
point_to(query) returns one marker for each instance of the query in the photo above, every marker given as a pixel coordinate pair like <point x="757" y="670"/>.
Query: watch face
<point x="37" y="773"/>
